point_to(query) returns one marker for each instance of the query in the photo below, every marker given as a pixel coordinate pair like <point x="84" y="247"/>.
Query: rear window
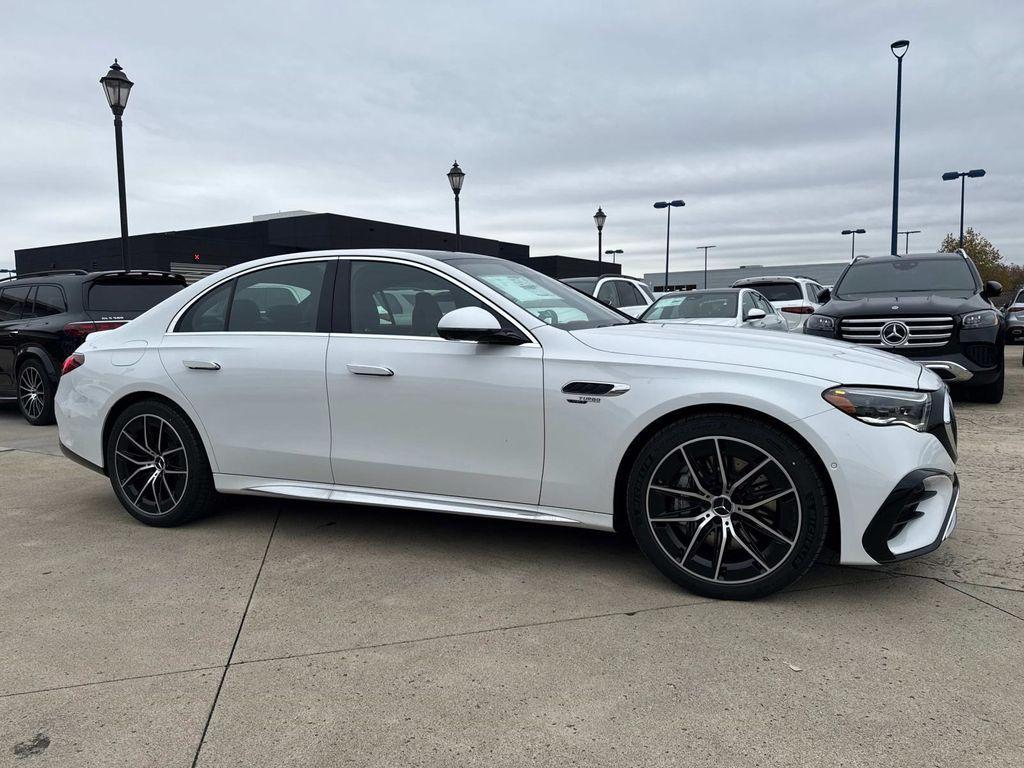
<point x="129" y="295"/>
<point x="784" y="291"/>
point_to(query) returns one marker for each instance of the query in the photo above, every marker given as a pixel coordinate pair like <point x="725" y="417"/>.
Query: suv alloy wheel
<point x="35" y="394"/>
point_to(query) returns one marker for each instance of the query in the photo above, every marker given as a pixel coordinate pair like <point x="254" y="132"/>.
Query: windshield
<point x="782" y="291"/>
<point x="129" y="295"/>
<point x="692" y="305"/>
<point x="950" y="277"/>
<point x="543" y="297"/>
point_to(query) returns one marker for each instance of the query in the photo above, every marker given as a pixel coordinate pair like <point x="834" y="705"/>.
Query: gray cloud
<point x="773" y="121"/>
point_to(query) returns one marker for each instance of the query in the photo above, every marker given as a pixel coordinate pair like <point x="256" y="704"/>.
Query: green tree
<point x="987" y="258"/>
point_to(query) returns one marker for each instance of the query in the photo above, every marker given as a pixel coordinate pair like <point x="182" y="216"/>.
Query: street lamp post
<point x="899" y="50"/>
<point x="599" y="219"/>
<point x="977" y="173"/>
<point x="906" y="239"/>
<point x="705" y="249"/>
<point x="853" y="242"/>
<point x="117" y="86"/>
<point x="455" y="178"/>
<point x="668" y="206"/>
<point x="613" y="253"/>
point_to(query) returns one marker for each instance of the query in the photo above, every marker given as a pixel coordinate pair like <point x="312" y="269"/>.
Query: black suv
<point x="44" y="316"/>
<point x="932" y="308"/>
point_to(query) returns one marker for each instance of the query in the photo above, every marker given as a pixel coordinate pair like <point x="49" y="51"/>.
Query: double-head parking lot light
<point x="977" y="173"/>
<point x="668" y="206"/>
<point x="853" y="242"/>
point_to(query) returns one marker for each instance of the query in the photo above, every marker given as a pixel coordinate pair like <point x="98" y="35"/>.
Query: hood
<point x="727" y="322"/>
<point x="836" y="362"/>
<point x="907" y="305"/>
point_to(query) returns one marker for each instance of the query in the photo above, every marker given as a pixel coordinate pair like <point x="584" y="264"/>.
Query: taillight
<point x="798" y="310"/>
<point x="80" y="330"/>
<point x="72" y="362"/>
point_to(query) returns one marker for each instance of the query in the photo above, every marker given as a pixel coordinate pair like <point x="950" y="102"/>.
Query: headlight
<point x="1017" y="316"/>
<point x="882" y="407"/>
<point x="820" y="323"/>
<point x="984" y="319"/>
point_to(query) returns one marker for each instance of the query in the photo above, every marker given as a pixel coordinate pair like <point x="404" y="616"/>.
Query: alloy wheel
<point x="31" y="392"/>
<point x="724" y="510"/>
<point x="151" y="465"/>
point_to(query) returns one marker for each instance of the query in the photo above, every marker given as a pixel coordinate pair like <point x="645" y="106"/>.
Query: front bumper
<point x="916" y="517"/>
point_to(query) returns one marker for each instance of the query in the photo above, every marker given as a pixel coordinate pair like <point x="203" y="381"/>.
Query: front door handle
<point x="202" y="365"/>
<point x="370" y="370"/>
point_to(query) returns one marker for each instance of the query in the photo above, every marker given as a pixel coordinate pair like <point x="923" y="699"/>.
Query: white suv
<point x="795" y="297"/>
<point x="623" y="293"/>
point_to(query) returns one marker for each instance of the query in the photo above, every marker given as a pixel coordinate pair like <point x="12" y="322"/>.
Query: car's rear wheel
<point x="35" y="393"/>
<point x="727" y="505"/>
<point x="157" y="465"/>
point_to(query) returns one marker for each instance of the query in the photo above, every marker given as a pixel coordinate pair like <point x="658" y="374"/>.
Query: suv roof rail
<point x="115" y="272"/>
<point x="862" y="256"/>
<point x="46" y="273"/>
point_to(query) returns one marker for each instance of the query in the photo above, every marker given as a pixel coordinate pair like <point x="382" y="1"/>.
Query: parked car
<point x="1014" y="314"/>
<point x="626" y="294"/>
<point x="726" y="307"/>
<point x="932" y="308"/>
<point x="795" y="297"/>
<point x="728" y="457"/>
<point x="44" y="316"/>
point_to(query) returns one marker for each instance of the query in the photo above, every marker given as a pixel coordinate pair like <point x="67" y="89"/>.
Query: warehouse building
<point x="825" y="273"/>
<point x="199" y="252"/>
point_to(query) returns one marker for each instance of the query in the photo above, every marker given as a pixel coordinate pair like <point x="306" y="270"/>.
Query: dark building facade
<point x="209" y="248"/>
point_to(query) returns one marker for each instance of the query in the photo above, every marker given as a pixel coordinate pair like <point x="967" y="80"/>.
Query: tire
<point x="744" y="538"/>
<point x="35" y="393"/>
<point x="989" y="393"/>
<point x="157" y="465"/>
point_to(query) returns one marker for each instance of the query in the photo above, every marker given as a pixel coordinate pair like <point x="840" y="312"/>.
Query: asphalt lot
<point x="328" y="635"/>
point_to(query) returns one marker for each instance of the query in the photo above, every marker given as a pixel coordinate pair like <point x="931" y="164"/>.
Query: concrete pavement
<point x="279" y="634"/>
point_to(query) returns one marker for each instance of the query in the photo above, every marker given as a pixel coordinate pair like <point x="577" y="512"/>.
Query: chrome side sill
<point x="349" y="494"/>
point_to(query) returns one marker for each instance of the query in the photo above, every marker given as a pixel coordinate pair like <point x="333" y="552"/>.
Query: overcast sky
<point x="773" y="121"/>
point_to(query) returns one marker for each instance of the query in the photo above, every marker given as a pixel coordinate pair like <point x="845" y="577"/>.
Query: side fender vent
<point x="594" y="388"/>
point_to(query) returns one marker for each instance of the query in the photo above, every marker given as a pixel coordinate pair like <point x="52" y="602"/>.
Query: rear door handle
<point x="370" y="370"/>
<point x="202" y="365"/>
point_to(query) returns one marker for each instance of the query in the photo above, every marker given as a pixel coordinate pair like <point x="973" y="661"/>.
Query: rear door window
<point x="12" y="302"/>
<point x="282" y="299"/>
<point x="49" y="301"/>
<point x="209" y="313"/>
<point x="607" y="294"/>
<point x="127" y="295"/>
<point x="629" y="296"/>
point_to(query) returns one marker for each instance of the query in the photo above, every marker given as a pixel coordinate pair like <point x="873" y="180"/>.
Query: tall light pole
<point x="705" y="248"/>
<point x="853" y="242"/>
<point x="599" y="219"/>
<point x="117" y="86"/>
<point x="617" y="251"/>
<point x="455" y="178"/>
<point x="977" y="173"/>
<point x="906" y="240"/>
<point x="668" y="206"/>
<point x="899" y="50"/>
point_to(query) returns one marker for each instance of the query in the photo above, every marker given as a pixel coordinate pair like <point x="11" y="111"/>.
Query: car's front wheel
<point x="727" y="505"/>
<point x="157" y="465"/>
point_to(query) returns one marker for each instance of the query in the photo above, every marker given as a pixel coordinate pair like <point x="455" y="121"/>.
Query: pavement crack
<point x="981" y="600"/>
<point x="108" y="681"/>
<point x="234" y="644"/>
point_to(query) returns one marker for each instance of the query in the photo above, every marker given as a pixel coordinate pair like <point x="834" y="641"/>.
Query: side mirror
<point x="754" y="314"/>
<point x="476" y="324"/>
<point x="824" y="296"/>
<point x="992" y="289"/>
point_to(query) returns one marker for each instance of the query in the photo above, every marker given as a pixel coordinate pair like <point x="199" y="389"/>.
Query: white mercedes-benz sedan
<point x="458" y="383"/>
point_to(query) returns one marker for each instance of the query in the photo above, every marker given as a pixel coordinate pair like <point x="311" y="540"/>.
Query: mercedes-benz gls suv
<point x="932" y="308"/>
<point x="496" y="391"/>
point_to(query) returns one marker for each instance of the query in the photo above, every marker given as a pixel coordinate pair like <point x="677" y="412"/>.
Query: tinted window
<point x="629" y="296"/>
<point x="900" y="276"/>
<point x="284" y="299"/>
<point x="749" y="303"/>
<point x="400" y="300"/>
<point x="782" y="291"/>
<point x="49" y="301"/>
<point x="543" y="297"/>
<point x="692" y="305"/>
<point x="607" y="293"/>
<point x="12" y="302"/>
<point x="128" y="295"/>
<point x="208" y="313"/>
<point x="585" y="284"/>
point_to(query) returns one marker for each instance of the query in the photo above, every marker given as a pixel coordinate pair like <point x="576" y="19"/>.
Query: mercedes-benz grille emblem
<point x="895" y="333"/>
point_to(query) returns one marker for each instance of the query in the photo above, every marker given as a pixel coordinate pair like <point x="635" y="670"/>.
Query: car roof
<point x="75" y="276"/>
<point x="696" y="291"/>
<point x="933" y="256"/>
<point x="773" y="279"/>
